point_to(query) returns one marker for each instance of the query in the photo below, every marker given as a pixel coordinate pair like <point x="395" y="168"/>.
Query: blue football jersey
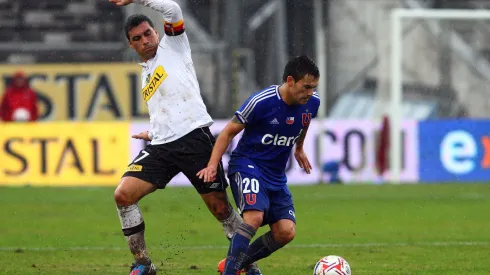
<point x="271" y="130"/>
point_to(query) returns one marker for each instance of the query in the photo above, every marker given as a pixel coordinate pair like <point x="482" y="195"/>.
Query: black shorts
<point x="158" y="164"/>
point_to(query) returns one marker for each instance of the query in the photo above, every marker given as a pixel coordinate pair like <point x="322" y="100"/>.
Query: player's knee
<point x="130" y="190"/>
<point x="285" y="234"/>
<point x="123" y="197"/>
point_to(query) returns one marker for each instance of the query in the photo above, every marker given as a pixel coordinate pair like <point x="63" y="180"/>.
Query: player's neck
<point x="146" y="58"/>
<point x="283" y="92"/>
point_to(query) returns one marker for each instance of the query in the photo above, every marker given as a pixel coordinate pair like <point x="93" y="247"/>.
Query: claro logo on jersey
<point x="156" y="80"/>
<point x="278" y="140"/>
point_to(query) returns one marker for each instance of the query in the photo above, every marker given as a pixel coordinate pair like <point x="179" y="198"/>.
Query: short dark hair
<point x="135" y="20"/>
<point x="300" y="66"/>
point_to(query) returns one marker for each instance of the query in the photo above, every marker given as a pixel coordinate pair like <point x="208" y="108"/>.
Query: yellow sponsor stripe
<point x="159" y="75"/>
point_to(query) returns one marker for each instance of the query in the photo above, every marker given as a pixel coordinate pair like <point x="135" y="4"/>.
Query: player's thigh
<point x="248" y="192"/>
<point x="153" y="165"/>
<point x="191" y="153"/>
<point x="281" y="205"/>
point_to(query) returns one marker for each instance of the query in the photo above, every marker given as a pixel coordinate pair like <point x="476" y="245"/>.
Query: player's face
<point x="302" y="90"/>
<point x="144" y="40"/>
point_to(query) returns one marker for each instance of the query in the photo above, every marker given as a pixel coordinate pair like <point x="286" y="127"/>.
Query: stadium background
<point x="58" y="173"/>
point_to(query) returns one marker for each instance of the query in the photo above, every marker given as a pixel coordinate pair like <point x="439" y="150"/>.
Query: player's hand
<point x="302" y="160"/>
<point x="142" y="135"/>
<point x="208" y="174"/>
<point x="121" y="2"/>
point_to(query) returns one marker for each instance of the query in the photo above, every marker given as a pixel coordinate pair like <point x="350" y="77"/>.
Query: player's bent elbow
<point x="175" y="8"/>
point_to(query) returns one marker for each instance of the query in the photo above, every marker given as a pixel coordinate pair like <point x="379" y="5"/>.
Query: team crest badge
<point x="306" y="118"/>
<point x="290" y="120"/>
<point x="147" y="78"/>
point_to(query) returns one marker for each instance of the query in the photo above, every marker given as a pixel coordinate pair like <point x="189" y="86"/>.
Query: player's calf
<point x="261" y="248"/>
<point x="240" y="241"/>
<point x="133" y="228"/>
<point x="219" y="205"/>
<point x="238" y="248"/>
<point x="129" y="191"/>
<point x="282" y="232"/>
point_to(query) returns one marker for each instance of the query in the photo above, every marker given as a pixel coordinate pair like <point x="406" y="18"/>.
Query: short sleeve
<point x="249" y="112"/>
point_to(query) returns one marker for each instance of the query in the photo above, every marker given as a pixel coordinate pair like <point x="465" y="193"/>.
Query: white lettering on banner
<point x="458" y="152"/>
<point x="350" y="142"/>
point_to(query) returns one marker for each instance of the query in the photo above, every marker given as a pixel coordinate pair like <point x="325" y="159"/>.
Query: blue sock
<point x="261" y="248"/>
<point x="238" y="248"/>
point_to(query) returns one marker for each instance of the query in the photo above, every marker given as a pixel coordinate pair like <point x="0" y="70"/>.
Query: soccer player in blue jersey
<point x="274" y="120"/>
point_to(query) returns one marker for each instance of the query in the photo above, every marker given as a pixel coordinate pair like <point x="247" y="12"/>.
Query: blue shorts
<point x="253" y="191"/>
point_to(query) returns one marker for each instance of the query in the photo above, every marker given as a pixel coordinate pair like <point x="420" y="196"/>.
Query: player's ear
<point x="290" y="81"/>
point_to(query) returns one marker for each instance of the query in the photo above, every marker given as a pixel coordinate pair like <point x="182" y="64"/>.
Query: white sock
<point x="133" y="228"/>
<point x="231" y="223"/>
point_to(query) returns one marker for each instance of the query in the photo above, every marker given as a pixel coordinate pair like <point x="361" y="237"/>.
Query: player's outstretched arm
<point x="170" y="9"/>
<point x="173" y="22"/>
<point x="224" y="139"/>
<point x="300" y="154"/>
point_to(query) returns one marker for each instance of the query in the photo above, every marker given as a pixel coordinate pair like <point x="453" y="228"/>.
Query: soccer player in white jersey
<point x="179" y="133"/>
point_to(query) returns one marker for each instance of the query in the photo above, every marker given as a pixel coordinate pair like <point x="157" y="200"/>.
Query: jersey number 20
<point x="250" y="186"/>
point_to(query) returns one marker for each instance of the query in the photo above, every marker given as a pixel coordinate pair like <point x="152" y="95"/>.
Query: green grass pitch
<point x="379" y="229"/>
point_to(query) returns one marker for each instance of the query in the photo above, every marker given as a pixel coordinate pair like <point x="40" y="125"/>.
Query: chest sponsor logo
<point x="159" y="75"/>
<point x="277" y="140"/>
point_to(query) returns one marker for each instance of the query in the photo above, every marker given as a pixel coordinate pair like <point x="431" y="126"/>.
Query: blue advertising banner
<point x="454" y="150"/>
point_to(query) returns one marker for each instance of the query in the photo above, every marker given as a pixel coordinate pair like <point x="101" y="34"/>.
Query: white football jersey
<point x="169" y="83"/>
